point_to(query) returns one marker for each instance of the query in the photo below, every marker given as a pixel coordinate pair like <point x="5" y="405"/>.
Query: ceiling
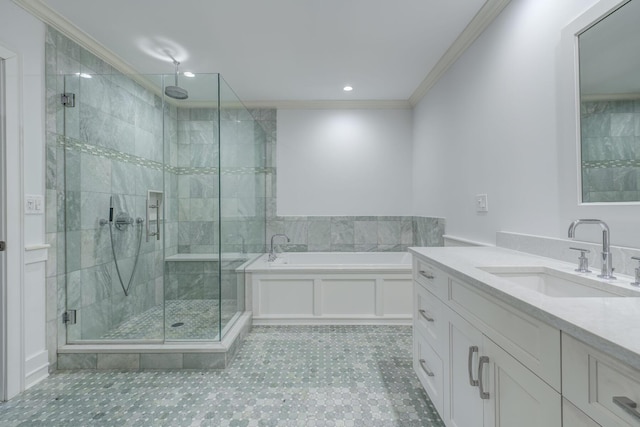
<point x="281" y="50"/>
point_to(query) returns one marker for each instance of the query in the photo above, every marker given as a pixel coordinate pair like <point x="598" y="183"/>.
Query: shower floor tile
<point x="282" y="376"/>
<point x="193" y="320"/>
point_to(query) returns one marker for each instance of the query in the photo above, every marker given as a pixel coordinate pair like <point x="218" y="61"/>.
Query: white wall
<point x="23" y="35"/>
<point x="344" y="162"/>
<point x="490" y="125"/>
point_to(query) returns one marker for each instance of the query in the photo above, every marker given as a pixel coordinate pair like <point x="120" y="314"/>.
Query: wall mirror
<point x="609" y="106"/>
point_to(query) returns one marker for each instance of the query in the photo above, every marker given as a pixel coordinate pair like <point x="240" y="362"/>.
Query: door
<point x="3" y="270"/>
<point x="464" y="408"/>
<point x="515" y="396"/>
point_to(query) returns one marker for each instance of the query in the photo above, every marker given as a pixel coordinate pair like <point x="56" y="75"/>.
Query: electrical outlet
<point x="482" y="204"/>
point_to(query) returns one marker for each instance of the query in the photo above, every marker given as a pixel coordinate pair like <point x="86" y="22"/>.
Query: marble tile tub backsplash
<point x="356" y="233"/>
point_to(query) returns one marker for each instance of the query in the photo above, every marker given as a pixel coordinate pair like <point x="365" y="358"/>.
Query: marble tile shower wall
<point x="198" y="183"/>
<point x="223" y="180"/>
<point x="108" y="145"/>
<point x="221" y="198"/>
<point x="242" y="182"/>
<point x="611" y="150"/>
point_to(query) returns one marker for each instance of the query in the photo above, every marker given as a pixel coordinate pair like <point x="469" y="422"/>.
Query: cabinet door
<point x="464" y="408"/>
<point x="574" y="417"/>
<point x="516" y="396"/>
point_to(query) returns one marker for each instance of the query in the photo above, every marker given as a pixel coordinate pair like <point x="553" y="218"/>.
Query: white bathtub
<point x="331" y="288"/>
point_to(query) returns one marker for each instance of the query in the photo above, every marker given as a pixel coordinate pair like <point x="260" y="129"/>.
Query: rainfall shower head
<point x="176" y="92"/>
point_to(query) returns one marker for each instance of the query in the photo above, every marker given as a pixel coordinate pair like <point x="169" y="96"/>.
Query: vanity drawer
<point x="532" y="342"/>
<point x="592" y="381"/>
<point x="432" y="278"/>
<point x="430" y="370"/>
<point x="428" y="316"/>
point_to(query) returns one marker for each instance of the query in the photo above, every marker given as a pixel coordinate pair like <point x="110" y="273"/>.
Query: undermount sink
<point x="559" y="284"/>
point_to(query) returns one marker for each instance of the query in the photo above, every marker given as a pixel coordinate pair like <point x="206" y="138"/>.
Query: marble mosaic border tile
<point x="72" y="144"/>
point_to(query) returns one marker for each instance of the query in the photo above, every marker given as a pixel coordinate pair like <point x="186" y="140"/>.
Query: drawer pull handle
<point x="484" y="360"/>
<point x="427" y="318"/>
<point x="427" y="275"/>
<point x="472" y="349"/>
<point x="628" y="405"/>
<point x="423" y="364"/>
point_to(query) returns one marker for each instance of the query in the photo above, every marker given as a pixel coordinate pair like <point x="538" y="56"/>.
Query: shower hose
<point x="139" y="222"/>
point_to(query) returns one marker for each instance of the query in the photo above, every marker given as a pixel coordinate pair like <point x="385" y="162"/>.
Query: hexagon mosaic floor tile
<point x="283" y="376"/>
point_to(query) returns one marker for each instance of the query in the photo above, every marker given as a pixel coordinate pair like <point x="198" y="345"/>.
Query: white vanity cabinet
<point x="488" y="360"/>
<point x="601" y="387"/>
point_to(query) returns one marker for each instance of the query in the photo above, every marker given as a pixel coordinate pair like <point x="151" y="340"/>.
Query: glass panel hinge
<point x="69" y="317"/>
<point x="68" y="99"/>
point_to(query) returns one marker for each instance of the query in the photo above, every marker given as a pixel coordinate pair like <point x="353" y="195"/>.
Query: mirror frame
<point x="569" y="100"/>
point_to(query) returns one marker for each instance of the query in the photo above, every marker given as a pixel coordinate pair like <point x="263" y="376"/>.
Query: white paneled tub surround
<point x="331" y="288"/>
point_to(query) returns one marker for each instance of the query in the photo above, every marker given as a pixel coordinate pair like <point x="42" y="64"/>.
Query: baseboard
<point x="36" y="368"/>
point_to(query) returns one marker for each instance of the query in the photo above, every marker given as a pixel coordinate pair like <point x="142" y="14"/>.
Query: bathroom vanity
<point x="504" y="338"/>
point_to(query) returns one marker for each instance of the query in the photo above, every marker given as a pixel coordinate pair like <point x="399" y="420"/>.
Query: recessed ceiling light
<point x="347" y="88"/>
<point x="189" y="74"/>
<point x="84" y="75"/>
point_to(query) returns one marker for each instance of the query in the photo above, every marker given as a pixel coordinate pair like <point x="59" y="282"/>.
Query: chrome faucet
<point x="607" y="268"/>
<point x="272" y="253"/>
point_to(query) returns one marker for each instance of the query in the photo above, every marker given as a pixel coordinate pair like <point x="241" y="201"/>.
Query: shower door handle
<point x="157" y="232"/>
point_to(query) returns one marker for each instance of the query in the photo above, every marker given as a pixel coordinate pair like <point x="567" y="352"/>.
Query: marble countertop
<point x="610" y="324"/>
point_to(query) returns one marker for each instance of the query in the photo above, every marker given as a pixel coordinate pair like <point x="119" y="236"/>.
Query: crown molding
<point x="478" y="24"/>
<point x="50" y="17"/>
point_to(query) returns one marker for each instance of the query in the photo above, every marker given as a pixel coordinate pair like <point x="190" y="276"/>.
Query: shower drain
<point x="175" y="325"/>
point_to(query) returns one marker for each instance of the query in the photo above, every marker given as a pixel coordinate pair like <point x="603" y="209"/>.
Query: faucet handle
<point x="583" y="267"/>
<point x="637" y="281"/>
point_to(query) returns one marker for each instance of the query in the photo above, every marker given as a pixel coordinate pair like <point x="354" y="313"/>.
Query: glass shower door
<point x="112" y="145"/>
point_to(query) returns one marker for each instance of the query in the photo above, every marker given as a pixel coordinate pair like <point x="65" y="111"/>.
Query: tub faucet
<point x="272" y="253"/>
<point x="607" y="269"/>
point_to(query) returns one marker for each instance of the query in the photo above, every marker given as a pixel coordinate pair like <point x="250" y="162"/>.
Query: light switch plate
<point x="482" y="204"/>
<point x="33" y="204"/>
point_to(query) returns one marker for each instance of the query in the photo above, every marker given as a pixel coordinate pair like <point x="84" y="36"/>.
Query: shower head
<point x="176" y="92"/>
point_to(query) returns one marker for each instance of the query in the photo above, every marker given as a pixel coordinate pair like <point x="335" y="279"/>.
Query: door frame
<point x="12" y="345"/>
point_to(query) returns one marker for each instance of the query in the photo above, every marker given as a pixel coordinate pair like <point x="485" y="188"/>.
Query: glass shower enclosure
<point x="164" y="203"/>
